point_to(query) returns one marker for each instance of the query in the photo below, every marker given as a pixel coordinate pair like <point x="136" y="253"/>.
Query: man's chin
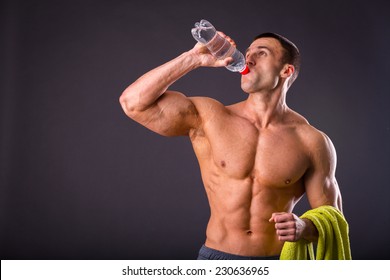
<point x="246" y="88"/>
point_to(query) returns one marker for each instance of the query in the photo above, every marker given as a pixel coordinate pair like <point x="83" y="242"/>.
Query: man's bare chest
<point x="272" y="156"/>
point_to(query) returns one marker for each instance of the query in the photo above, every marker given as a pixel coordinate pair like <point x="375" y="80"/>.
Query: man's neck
<point x="266" y="108"/>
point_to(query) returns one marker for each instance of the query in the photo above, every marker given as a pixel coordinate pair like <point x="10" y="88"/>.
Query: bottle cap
<point x="245" y="71"/>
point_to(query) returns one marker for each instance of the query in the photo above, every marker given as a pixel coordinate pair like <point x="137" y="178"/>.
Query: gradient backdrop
<point x="79" y="180"/>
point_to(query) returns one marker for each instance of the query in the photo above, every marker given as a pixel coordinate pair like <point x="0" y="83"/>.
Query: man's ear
<point x="287" y="71"/>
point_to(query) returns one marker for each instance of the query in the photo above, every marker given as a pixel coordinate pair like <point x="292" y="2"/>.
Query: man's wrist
<point x="191" y="59"/>
<point x="310" y="233"/>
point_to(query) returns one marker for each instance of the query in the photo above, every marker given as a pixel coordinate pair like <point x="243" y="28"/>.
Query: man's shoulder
<point x="209" y="106"/>
<point x="314" y="139"/>
<point x="203" y="100"/>
<point x="310" y="134"/>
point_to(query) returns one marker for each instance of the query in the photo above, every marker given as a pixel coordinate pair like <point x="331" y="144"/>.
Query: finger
<point x="290" y="238"/>
<point x="283" y="217"/>
<point x="222" y="34"/>
<point x="285" y="232"/>
<point x="227" y="61"/>
<point x="285" y="225"/>
<point x="230" y="40"/>
<point x="275" y="215"/>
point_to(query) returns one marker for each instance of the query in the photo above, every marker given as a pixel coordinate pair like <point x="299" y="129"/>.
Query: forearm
<point x="150" y="86"/>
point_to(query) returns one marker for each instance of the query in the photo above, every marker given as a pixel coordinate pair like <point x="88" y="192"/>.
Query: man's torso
<point x="248" y="173"/>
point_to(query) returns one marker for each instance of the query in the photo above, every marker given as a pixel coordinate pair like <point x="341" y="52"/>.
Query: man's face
<point x="264" y="58"/>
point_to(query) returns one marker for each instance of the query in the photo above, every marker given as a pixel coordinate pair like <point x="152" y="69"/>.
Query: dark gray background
<point x="79" y="180"/>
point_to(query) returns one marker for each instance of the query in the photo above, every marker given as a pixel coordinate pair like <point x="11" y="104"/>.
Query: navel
<point x="249" y="232"/>
<point x="223" y="163"/>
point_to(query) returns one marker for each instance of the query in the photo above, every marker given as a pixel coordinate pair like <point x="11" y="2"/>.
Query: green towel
<point x="333" y="239"/>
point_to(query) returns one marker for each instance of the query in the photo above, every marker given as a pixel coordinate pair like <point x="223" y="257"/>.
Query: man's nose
<point x="249" y="60"/>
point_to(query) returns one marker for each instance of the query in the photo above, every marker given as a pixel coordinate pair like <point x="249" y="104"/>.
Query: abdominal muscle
<point x="240" y="212"/>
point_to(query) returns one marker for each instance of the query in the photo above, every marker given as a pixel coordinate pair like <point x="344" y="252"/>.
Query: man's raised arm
<point x="168" y="113"/>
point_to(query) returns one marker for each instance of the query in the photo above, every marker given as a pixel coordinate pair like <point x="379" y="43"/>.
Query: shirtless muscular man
<point x="257" y="157"/>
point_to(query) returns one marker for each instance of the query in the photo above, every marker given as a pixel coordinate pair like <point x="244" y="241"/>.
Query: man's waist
<point x="207" y="253"/>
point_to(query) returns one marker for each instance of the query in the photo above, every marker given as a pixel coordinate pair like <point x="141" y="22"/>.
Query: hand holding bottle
<point x="210" y="60"/>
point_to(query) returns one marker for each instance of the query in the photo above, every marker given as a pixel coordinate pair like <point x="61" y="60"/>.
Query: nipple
<point x="288" y="181"/>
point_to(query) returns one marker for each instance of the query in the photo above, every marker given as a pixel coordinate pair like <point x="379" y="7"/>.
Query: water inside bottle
<point x="220" y="47"/>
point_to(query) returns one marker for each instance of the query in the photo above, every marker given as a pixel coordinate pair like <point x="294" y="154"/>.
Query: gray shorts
<point x="206" y="253"/>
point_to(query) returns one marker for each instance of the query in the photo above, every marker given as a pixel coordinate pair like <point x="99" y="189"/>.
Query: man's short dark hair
<point x="291" y="53"/>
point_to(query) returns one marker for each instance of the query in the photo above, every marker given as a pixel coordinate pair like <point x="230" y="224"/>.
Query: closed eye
<point x="260" y="52"/>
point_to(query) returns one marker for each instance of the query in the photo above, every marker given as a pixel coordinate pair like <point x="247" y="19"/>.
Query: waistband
<point x="206" y="253"/>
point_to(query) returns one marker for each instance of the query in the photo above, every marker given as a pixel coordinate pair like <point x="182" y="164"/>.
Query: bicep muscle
<point x="173" y="114"/>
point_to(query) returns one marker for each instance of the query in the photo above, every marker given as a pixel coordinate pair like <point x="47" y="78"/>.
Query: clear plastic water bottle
<point x="204" y="32"/>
